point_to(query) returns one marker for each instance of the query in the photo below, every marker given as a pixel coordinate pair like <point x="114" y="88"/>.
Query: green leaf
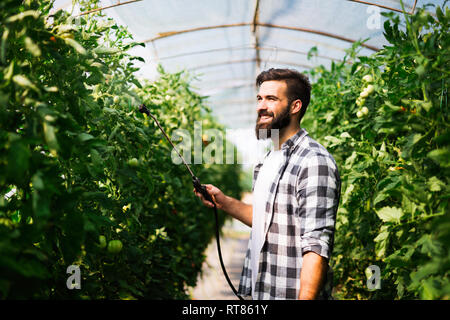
<point x="380" y="197"/>
<point x="20" y="16"/>
<point x="74" y="44"/>
<point x="85" y="137"/>
<point x="334" y="141"/>
<point x="23" y="81"/>
<point x="106" y="50"/>
<point x="434" y="184"/>
<point x="390" y="214"/>
<point x="50" y="138"/>
<point x="440" y="156"/>
<point x="32" y="47"/>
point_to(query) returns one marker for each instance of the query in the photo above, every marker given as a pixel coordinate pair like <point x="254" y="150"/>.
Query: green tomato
<point x="367" y="78"/>
<point x="364" y="94"/>
<point x="102" y="241"/>
<point x="359" y="114"/>
<point x="364" y="110"/>
<point x="116" y="99"/>
<point x="115" y="246"/>
<point x="360" y="102"/>
<point x="133" y="162"/>
<point x="370" y="89"/>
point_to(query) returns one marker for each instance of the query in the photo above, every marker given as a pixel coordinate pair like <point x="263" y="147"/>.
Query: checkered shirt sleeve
<point x="317" y="190"/>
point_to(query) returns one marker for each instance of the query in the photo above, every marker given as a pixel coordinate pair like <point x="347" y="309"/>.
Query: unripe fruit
<point x="370" y="88"/>
<point x="364" y="94"/>
<point x="116" y="99"/>
<point x="364" y="111"/>
<point x="367" y="78"/>
<point x="360" y="102"/>
<point x="359" y="114"/>
<point x="133" y="162"/>
<point x="115" y="246"/>
<point x="102" y="241"/>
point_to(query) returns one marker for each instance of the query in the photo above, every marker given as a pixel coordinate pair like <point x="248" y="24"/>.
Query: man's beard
<point x="278" y="123"/>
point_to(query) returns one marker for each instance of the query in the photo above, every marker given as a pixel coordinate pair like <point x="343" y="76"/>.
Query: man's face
<point x="272" y="107"/>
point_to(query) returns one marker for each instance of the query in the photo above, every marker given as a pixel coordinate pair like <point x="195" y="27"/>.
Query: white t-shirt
<point x="265" y="178"/>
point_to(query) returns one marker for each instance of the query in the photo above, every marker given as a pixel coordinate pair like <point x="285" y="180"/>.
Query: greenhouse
<point x="110" y="110"/>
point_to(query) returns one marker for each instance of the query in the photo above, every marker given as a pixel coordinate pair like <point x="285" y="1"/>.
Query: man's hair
<point x="298" y="85"/>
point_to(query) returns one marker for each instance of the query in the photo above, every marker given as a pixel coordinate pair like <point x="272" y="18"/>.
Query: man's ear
<point x="296" y="106"/>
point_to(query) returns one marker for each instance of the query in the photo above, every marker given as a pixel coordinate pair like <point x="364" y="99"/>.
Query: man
<point x="296" y="193"/>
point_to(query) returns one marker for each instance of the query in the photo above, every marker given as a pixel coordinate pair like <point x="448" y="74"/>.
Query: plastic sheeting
<point x="226" y="43"/>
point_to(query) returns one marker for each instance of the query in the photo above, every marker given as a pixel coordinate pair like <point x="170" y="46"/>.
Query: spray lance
<point x="200" y="189"/>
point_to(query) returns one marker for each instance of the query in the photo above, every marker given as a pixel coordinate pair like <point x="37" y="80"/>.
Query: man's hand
<point x="314" y="269"/>
<point x="216" y="194"/>
<point x="235" y="208"/>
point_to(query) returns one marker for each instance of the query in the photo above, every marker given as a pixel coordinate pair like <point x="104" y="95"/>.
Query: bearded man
<point x="296" y="191"/>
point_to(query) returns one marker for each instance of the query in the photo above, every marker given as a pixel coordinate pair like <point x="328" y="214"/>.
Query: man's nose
<point x="261" y="106"/>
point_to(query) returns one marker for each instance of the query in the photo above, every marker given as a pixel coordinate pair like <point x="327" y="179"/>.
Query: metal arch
<point x="385" y="7"/>
<point x="266" y="48"/>
<point x="209" y="92"/>
<point x="107" y="7"/>
<point x="256" y="36"/>
<point x="247" y="61"/>
<point x="268" y="25"/>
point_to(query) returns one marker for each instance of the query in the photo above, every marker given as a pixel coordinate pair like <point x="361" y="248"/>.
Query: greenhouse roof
<point x="227" y="43"/>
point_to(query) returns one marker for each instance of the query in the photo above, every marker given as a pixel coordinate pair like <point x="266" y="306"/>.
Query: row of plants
<point x="87" y="180"/>
<point x="385" y="119"/>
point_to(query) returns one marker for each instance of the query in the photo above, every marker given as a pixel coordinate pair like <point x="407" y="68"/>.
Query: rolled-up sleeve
<point x="317" y="193"/>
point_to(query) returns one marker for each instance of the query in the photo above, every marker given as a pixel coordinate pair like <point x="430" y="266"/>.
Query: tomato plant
<point x="79" y="165"/>
<point x="393" y="157"/>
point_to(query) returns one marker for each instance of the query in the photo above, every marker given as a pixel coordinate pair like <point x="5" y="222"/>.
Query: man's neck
<point x="284" y="135"/>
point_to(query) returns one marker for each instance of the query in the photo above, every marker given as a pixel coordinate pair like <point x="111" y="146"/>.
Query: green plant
<point x="78" y="163"/>
<point x="393" y="159"/>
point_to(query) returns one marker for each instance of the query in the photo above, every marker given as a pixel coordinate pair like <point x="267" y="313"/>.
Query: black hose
<point x="200" y="188"/>
<point x="219" y="251"/>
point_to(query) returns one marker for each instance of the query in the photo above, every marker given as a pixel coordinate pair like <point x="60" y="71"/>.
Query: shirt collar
<point x="294" y="140"/>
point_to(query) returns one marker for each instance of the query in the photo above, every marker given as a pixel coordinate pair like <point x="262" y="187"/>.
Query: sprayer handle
<point x="201" y="189"/>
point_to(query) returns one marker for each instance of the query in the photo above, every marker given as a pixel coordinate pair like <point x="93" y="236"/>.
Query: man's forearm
<point x="314" y="268"/>
<point x="239" y="210"/>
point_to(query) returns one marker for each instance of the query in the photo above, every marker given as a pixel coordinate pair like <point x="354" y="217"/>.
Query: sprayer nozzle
<point x="143" y="109"/>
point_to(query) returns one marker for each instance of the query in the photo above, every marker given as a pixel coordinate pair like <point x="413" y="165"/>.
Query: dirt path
<point x="212" y="285"/>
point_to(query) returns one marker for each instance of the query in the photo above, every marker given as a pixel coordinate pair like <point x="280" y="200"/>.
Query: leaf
<point x="50" y="138"/>
<point x="381" y="242"/>
<point x="74" y="44"/>
<point x="389" y="214"/>
<point x="106" y="50"/>
<point x="32" y="47"/>
<point x="334" y="141"/>
<point x="9" y="71"/>
<point x="434" y="184"/>
<point x="30" y="13"/>
<point x="411" y="141"/>
<point x="440" y="156"/>
<point x="380" y="197"/>
<point x="85" y="137"/>
<point x="24" y="82"/>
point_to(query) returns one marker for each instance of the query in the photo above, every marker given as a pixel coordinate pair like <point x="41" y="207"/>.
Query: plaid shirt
<point x="300" y="217"/>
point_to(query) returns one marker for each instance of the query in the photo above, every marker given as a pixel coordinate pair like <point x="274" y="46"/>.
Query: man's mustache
<point x="264" y="113"/>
